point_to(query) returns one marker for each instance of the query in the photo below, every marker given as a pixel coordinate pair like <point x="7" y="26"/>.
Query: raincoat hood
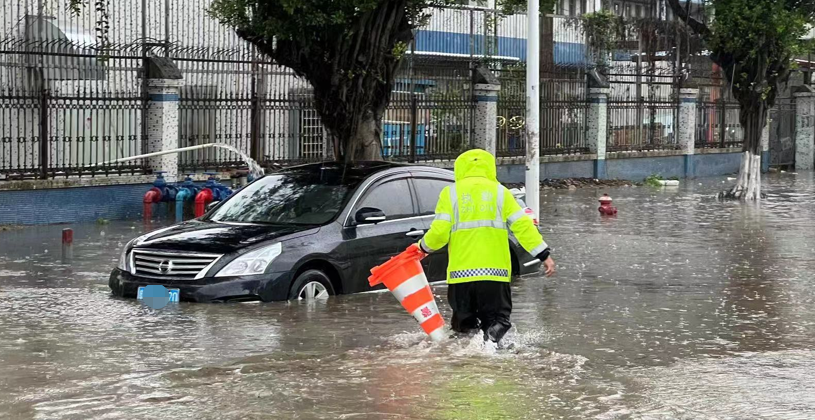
<point x="475" y="163"/>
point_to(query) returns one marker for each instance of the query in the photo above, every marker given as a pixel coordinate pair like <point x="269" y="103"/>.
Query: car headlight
<point x="254" y="262"/>
<point x="123" y="258"/>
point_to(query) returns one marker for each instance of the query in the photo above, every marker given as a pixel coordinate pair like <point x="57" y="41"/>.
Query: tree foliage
<point x="754" y="42"/>
<point x="348" y="50"/>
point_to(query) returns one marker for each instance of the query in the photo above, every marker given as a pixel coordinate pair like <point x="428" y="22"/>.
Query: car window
<point x="392" y="197"/>
<point x="298" y="199"/>
<point x="428" y="191"/>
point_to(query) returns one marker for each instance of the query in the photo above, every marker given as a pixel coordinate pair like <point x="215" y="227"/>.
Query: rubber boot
<point x="467" y="332"/>
<point x="496" y="332"/>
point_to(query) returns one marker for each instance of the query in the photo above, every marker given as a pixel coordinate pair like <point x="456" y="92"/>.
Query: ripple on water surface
<point x="680" y="307"/>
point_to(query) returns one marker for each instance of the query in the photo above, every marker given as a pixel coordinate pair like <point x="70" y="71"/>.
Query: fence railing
<point x="643" y="111"/>
<point x="782" y="133"/>
<point x="72" y="98"/>
<point x="717" y="117"/>
<point x="563" y="114"/>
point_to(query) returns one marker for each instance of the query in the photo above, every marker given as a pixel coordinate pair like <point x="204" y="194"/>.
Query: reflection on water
<point x="680" y="307"/>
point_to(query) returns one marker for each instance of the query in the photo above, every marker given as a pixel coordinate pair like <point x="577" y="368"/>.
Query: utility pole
<point x="533" y="108"/>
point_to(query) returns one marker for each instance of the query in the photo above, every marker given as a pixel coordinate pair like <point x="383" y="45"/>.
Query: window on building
<point x="312" y="134"/>
<point x="639" y="12"/>
<point x="572" y="7"/>
<point x="628" y="11"/>
<point x="307" y="137"/>
<point x="617" y="9"/>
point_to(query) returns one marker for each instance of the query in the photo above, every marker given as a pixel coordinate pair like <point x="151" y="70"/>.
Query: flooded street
<point x="681" y="307"/>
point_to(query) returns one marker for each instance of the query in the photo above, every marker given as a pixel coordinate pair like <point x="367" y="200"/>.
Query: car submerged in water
<point x="305" y="232"/>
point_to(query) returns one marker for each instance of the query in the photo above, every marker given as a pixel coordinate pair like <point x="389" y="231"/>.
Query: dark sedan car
<point x="305" y="232"/>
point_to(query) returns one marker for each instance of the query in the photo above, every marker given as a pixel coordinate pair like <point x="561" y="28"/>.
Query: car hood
<point x="218" y="238"/>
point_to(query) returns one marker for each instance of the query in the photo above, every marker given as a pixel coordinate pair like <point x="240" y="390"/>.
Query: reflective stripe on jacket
<point x="473" y="217"/>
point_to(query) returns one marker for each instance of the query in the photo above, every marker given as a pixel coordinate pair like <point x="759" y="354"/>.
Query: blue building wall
<point x="564" y="54"/>
<point x="395" y="134"/>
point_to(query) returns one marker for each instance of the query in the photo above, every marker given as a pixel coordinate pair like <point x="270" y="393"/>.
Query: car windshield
<point x="288" y="199"/>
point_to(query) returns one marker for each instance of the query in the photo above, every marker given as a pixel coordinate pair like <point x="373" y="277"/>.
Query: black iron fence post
<point x="414" y="111"/>
<point x="254" y="117"/>
<point x="722" y="118"/>
<point x="414" y="107"/>
<point x="44" y="143"/>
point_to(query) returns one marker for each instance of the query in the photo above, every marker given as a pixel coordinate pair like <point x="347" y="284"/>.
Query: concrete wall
<point x="714" y="164"/>
<point x="516" y="173"/>
<point x="637" y="169"/>
<point x="632" y="169"/>
<point x="69" y="205"/>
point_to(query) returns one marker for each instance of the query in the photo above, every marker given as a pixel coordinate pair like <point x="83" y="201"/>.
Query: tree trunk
<point x="352" y="74"/>
<point x="748" y="184"/>
<point x="367" y="138"/>
<point x="352" y="69"/>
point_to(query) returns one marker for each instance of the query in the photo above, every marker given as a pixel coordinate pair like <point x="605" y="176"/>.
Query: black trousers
<point x="485" y="305"/>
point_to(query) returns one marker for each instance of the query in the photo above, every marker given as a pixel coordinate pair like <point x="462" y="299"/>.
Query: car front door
<point x="428" y="190"/>
<point x="366" y="245"/>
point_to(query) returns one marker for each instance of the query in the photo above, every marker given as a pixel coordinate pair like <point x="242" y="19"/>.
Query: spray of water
<point x="255" y="171"/>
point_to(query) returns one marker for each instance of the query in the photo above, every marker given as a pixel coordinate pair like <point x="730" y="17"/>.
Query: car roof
<point x="356" y="171"/>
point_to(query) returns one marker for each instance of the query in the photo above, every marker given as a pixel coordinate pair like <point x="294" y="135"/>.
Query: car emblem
<point x="165" y="266"/>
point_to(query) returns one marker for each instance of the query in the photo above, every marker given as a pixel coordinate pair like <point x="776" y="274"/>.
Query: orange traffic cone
<point x="404" y="277"/>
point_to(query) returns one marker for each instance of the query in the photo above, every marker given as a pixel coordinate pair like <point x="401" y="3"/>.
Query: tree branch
<point x="682" y="13"/>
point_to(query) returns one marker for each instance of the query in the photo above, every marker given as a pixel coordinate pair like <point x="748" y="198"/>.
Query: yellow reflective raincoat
<point x="473" y="217"/>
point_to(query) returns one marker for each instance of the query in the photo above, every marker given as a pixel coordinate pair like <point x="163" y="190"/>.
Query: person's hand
<point x="419" y="247"/>
<point x="549" y="267"/>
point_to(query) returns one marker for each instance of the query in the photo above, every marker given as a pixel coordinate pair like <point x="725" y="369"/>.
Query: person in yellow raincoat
<point x="473" y="218"/>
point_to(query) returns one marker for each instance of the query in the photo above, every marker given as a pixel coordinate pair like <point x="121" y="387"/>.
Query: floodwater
<point x="681" y="307"/>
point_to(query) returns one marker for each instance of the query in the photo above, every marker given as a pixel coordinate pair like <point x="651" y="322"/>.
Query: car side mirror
<point x="369" y="215"/>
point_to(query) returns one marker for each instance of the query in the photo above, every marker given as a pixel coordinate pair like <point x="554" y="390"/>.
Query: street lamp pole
<point x="533" y="107"/>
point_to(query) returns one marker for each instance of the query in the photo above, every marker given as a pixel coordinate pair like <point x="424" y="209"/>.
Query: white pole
<point x="533" y="107"/>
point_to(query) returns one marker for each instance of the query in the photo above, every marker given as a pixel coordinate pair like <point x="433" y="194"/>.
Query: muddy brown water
<point x="681" y="307"/>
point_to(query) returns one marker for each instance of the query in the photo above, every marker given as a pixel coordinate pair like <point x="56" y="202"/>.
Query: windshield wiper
<point x="250" y="222"/>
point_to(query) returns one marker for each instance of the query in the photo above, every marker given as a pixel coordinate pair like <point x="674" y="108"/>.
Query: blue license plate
<point x="175" y="294"/>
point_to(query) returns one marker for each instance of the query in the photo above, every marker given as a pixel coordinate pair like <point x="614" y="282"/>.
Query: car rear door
<point x="366" y="245"/>
<point x="428" y="187"/>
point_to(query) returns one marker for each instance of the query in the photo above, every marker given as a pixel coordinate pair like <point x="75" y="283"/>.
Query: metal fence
<point x="563" y="114"/>
<point x="782" y="133"/>
<point x="436" y="103"/>
<point x="717" y="116"/>
<point x="642" y="112"/>
<point x="71" y="97"/>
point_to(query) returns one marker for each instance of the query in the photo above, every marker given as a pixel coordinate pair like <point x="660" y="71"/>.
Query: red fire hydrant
<point x="605" y="206"/>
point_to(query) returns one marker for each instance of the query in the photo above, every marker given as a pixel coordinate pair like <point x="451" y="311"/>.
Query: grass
<point x="653" y="180"/>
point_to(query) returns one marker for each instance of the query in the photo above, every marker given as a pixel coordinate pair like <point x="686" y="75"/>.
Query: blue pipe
<point x="183" y="194"/>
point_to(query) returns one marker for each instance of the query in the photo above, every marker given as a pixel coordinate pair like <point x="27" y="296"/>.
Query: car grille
<point x="173" y="265"/>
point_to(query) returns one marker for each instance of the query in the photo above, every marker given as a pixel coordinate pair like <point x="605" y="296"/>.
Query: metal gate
<point x="782" y="133"/>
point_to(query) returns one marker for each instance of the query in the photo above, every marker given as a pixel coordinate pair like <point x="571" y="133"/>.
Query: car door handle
<point x="415" y="233"/>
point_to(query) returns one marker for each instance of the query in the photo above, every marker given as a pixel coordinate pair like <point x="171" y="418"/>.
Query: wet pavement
<point x="681" y="307"/>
